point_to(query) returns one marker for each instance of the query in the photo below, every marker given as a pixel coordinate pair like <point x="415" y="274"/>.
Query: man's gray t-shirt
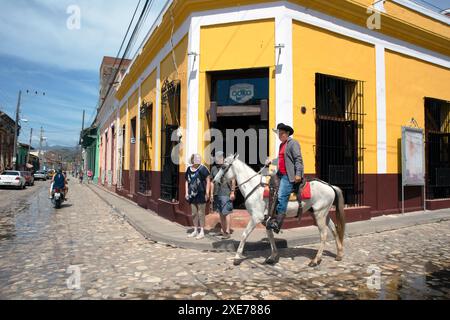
<point x="220" y="189"/>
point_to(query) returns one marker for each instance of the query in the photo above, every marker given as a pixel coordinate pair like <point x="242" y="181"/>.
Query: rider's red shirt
<point x="281" y="159"/>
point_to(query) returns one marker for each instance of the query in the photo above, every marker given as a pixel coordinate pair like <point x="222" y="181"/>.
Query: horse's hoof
<point x="314" y="264"/>
<point x="237" y="262"/>
<point x="339" y="258"/>
<point x="271" y="261"/>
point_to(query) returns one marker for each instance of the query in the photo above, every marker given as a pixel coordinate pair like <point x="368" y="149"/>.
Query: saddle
<point x="301" y="192"/>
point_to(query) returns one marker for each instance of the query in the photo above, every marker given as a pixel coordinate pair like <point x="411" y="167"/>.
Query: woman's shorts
<point x="223" y="205"/>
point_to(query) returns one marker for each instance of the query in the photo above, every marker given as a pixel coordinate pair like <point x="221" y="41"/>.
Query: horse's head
<point x="225" y="172"/>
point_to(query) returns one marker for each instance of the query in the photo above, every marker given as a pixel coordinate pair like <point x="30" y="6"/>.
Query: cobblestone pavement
<point x="42" y="250"/>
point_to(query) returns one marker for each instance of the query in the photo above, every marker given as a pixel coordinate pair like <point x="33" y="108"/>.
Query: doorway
<point x="437" y="127"/>
<point x="239" y="110"/>
<point x="340" y="134"/>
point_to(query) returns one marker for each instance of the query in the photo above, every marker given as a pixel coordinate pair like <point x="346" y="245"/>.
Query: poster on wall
<point x="413" y="157"/>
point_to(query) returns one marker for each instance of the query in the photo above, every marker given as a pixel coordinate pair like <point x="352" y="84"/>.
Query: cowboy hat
<point x="284" y="127"/>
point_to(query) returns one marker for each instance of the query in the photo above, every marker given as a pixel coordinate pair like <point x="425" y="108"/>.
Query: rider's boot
<point x="276" y="224"/>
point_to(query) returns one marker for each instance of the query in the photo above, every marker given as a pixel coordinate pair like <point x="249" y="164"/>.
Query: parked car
<point x="29" y="178"/>
<point x="40" y="175"/>
<point x="13" y="179"/>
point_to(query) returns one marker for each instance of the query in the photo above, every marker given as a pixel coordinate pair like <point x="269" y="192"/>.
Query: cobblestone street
<point x="39" y="245"/>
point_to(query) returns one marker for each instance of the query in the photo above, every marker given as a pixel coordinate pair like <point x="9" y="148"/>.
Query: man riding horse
<point x="290" y="172"/>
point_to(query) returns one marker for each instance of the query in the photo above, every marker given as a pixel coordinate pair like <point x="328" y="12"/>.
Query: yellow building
<point x="345" y="75"/>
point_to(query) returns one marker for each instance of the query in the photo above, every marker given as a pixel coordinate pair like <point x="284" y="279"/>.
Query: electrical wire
<point x="141" y="25"/>
<point x="126" y="51"/>
<point x="125" y="38"/>
<point x="429" y="4"/>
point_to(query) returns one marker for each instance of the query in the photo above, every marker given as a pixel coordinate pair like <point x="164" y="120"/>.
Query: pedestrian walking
<point x="90" y="176"/>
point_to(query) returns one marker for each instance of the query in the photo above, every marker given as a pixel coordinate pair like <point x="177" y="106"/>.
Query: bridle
<point x="262" y="184"/>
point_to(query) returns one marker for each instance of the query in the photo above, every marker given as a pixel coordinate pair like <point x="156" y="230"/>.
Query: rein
<point x="261" y="184"/>
<point x="250" y="179"/>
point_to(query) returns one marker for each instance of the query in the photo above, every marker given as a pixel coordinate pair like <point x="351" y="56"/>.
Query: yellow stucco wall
<point x="411" y="16"/>
<point x="234" y="46"/>
<point x="319" y="51"/>
<point x="353" y="11"/>
<point x="124" y="122"/>
<point x="408" y="82"/>
<point x="168" y="71"/>
<point x="133" y="103"/>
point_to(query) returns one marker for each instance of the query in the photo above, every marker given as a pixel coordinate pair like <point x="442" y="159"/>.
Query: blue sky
<point x="39" y="53"/>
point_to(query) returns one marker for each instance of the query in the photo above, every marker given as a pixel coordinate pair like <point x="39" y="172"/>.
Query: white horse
<point x="324" y="196"/>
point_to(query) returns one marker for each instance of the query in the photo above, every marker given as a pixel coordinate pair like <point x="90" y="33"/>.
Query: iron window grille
<point x="121" y="165"/>
<point x="340" y="135"/>
<point x="170" y="105"/>
<point x="437" y="144"/>
<point x="145" y="161"/>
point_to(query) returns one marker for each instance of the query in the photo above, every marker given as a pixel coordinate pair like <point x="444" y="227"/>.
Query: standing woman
<point x="198" y="183"/>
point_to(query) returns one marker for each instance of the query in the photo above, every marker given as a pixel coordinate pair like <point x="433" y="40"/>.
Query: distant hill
<point x="59" y="148"/>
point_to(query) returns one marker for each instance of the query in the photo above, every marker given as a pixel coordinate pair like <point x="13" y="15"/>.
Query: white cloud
<point x="36" y="30"/>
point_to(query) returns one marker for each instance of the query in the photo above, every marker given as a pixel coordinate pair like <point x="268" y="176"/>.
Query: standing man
<point x="222" y="196"/>
<point x="290" y="172"/>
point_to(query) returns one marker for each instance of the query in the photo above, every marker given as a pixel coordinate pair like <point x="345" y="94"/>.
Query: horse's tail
<point x="340" y="213"/>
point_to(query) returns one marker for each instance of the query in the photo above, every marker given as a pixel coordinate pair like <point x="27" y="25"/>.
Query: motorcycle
<point x="58" y="198"/>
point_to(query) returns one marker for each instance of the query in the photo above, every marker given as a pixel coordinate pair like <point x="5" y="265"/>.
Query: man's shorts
<point x="223" y="205"/>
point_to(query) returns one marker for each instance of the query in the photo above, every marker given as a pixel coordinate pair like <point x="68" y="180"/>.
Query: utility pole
<point x="82" y="125"/>
<point x="81" y="146"/>
<point x="29" y="146"/>
<point x="41" y="138"/>
<point x="16" y="129"/>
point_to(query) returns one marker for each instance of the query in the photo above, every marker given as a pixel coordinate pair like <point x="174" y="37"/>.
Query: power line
<point x="430" y="4"/>
<point x="125" y="37"/>
<point x="133" y="35"/>
<point x="142" y="24"/>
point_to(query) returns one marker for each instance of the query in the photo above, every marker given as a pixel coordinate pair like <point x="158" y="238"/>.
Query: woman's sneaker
<point x="226" y="236"/>
<point x="200" y="236"/>
<point x="193" y="234"/>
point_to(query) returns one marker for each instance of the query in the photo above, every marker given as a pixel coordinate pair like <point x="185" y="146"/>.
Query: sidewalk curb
<point x="309" y="236"/>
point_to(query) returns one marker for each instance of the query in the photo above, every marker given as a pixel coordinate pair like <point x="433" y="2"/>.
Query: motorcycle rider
<point x="59" y="181"/>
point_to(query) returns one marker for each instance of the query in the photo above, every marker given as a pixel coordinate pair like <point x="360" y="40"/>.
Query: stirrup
<point x="266" y="220"/>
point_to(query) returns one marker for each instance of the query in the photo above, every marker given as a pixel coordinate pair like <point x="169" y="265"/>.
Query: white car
<point x="40" y="175"/>
<point x="12" y="179"/>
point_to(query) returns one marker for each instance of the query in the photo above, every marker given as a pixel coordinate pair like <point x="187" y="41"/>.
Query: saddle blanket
<point x="306" y="193"/>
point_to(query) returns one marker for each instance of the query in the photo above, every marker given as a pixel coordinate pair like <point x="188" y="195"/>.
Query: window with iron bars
<point x="437" y="128"/>
<point x="145" y="161"/>
<point x="340" y="135"/>
<point x="121" y="165"/>
<point x="170" y="106"/>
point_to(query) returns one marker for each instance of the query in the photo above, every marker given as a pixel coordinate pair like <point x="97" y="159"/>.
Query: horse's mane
<point x="249" y="168"/>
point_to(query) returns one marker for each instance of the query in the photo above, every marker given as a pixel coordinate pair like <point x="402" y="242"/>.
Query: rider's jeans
<point x="286" y="188"/>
